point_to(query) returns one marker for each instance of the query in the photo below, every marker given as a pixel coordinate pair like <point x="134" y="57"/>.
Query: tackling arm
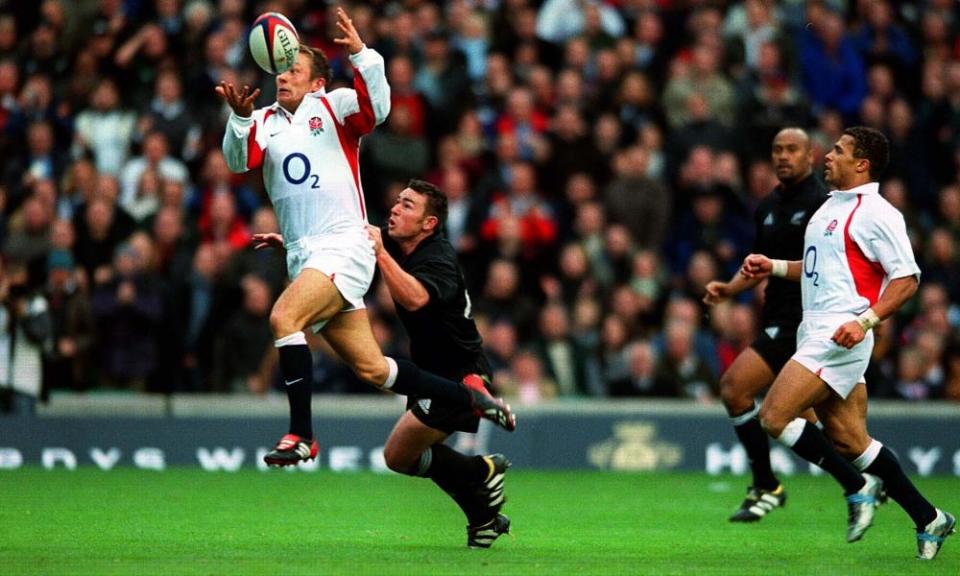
<point x="406" y="290"/>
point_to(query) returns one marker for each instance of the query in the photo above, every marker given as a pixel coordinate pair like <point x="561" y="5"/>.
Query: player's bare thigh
<point x="747" y="377"/>
<point x="410" y="437"/>
<point x="350" y="336"/>
<point x="311" y="297"/>
<point x="794" y="391"/>
<point x="845" y="421"/>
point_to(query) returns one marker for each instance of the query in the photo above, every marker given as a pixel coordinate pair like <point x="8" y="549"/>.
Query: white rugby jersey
<point x="311" y="158"/>
<point x="853" y="246"/>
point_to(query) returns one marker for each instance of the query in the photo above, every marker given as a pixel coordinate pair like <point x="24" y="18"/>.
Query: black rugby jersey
<point x="443" y="336"/>
<point x="781" y="220"/>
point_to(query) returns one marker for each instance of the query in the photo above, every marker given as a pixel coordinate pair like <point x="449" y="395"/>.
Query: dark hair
<point x="436" y="200"/>
<point x="870" y="144"/>
<point x="319" y="66"/>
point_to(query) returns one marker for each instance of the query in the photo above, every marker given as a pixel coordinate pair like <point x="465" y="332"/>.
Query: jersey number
<point x="304" y="174"/>
<point x="810" y="265"/>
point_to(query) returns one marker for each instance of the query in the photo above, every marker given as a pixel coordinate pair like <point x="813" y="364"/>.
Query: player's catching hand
<point x="240" y="101"/>
<point x="351" y="38"/>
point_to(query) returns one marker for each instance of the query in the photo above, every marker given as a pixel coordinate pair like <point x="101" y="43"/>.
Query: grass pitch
<point x="193" y="522"/>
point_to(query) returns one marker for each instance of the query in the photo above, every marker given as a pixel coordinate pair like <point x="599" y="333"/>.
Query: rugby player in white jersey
<point x="308" y="145"/>
<point x="857" y="269"/>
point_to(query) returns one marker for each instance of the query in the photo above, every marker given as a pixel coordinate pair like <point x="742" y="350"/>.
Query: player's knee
<point x="373" y="373"/>
<point x="735" y="401"/>
<point x="281" y="324"/>
<point x="398" y="461"/>
<point x="846" y="442"/>
<point x="772" y="421"/>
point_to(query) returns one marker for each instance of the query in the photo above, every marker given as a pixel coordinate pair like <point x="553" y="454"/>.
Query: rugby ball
<point x="274" y="42"/>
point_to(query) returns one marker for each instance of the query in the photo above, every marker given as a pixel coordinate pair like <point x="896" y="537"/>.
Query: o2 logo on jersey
<point x="299" y="164"/>
<point x="810" y="264"/>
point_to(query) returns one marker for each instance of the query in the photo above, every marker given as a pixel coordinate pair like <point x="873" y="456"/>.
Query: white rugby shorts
<point x="840" y="368"/>
<point x="347" y="259"/>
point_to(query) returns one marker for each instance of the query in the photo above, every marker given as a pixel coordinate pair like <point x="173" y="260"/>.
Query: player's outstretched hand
<point x="717" y="292"/>
<point x="351" y="38"/>
<point x="849" y="334"/>
<point x="756" y="266"/>
<point x="268" y="240"/>
<point x="241" y="101"/>
<point x="376" y="239"/>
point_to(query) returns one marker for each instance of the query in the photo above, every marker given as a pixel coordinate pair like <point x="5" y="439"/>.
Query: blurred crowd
<point x="602" y="159"/>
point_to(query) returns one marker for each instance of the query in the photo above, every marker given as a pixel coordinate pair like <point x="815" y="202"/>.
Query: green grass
<point x="194" y="522"/>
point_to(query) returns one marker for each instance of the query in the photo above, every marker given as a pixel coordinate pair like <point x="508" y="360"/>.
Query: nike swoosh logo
<point x="275" y="133"/>
<point x="292" y="382"/>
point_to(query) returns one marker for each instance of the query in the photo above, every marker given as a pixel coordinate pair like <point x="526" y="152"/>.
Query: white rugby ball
<point x="274" y="42"/>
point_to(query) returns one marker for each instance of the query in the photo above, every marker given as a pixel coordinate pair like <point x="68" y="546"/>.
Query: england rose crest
<point x="316" y="125"/>
<point x="830" y="228"/>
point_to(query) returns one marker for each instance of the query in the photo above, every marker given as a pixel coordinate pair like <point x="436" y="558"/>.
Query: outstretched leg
<point x="475" y="483"/>
<point x="796" y="389"/>
<point x="350" y="336"/>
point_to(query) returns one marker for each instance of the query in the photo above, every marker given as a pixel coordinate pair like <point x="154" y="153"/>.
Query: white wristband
<point x="779" y="268"/>
<point x="868" y="320"/>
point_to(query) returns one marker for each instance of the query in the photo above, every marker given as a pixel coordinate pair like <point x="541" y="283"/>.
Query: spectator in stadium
<point x="67" y="364"/>
<point x="688" y="374"/>
<point x="140" y="59"/>
<point x="503" y="299"/>
<point x="28" y="240"/>
<point x="79" y="184"/>
<point x="127" y="309"/>
<point x="879" y="38"/>
<point x="526" y="382"/>
<point x="39" y="160"/>
<point x="563" y="361"/>
<point x="522" y="120"/>
<point x="170" y="114"/>
<point x="105" y="129"/>
<point x="244" y="342"/>
<point x="443" y="81"/>
<point x="833" y="71"/>
<point x="24" y="334"/>
<point x="701" y="76"/>
<point x="520" y="216"/>
<point x="637" y="201"/>
<point x="712" y="226"/>
<point x="155" y="157"/>
<point x="223" y="224"/>
<point x="641" y="378"/>
<point x="397" y="153"/>
<point x="571" y="152"/>
<point x="216" y="178"/>
<point x="561" y="20"/>
<point x="100" y="229"/>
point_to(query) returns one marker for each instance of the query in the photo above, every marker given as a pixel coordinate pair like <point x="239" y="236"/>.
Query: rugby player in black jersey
<point x="420" y="268"/>
<point x="781" y="220"/>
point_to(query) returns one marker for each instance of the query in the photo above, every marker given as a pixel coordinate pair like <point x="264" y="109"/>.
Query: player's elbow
<point x="416" y="301"/>
<point x="912" y="285"/>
